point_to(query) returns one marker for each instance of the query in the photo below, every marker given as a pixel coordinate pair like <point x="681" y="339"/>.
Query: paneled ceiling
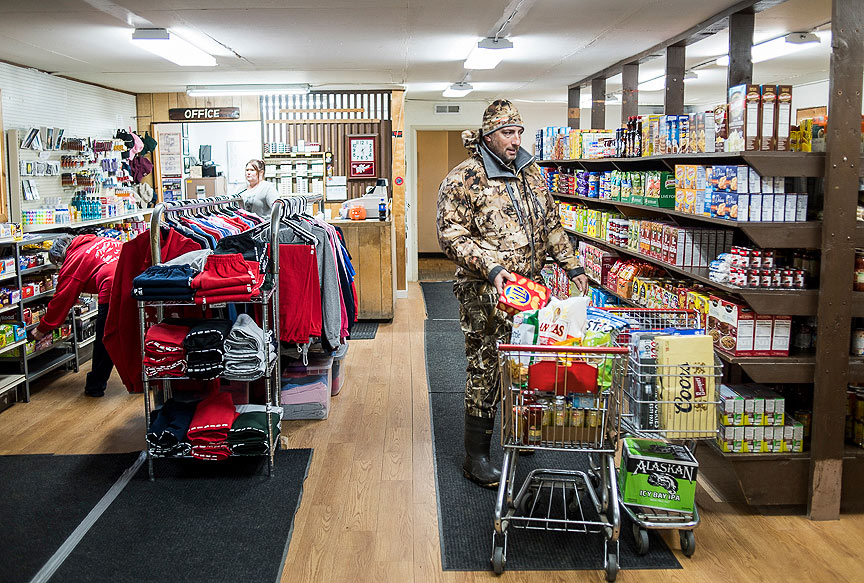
<point x="415" y="44"/>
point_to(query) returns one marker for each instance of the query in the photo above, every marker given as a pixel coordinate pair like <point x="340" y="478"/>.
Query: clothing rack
<point x="180" y="206"/>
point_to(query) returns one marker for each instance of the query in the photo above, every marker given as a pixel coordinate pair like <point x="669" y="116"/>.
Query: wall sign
<point x="203" y="113"/>
<point x="363" y="156"/>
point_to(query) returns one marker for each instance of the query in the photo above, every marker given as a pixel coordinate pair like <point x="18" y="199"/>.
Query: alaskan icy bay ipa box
<point x="659" y="475"/>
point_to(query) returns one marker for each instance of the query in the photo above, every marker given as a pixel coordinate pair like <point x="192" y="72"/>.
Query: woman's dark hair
<point x="258" y="165"/>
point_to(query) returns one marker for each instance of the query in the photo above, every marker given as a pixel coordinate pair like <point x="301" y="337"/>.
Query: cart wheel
<point x="498" y="560"/>
<point x="641" y="536"/>
<point x="526" y="502"/>
<point x="611" y="567"/>
<point x="688" y="542"/>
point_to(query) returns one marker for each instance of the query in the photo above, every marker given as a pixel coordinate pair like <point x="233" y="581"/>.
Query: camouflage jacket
<point x="491" y="217"/>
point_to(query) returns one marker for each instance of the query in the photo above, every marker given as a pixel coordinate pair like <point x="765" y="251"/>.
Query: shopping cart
<point x="564" y="399"/>
<point x="641" y="416"/>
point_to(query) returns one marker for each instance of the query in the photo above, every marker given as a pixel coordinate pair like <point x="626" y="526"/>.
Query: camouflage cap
<point x="501" y="113"/>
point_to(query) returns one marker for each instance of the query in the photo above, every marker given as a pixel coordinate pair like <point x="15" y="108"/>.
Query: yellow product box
<point x="687" y="386"/>
<point x="689" y="201"/>
<point x="680" y="174"/>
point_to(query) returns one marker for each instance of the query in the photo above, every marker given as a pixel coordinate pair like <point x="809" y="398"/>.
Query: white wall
<point x="217" y="135"/>
<point x="420" y="115"/>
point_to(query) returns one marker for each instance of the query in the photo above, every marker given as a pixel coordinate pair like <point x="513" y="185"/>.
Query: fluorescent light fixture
<point x="778" y="47"/>
<point x="277" y="89"/>
<point x="655" y="84"/>
<point x="488" y="53"/>
<point x="458" y="90"/>
<point x="171" y="47"/>
<point x="613" y="99"/>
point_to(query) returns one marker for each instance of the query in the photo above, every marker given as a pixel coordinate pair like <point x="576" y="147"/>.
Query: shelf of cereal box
<point x="801" y="164"/>
<point x="771" y="302"/>
<point x="803" y="235"/>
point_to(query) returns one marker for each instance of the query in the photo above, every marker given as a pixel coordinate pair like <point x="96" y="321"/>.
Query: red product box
<point x="522" y="294"/>
<point x="731" y="325"/>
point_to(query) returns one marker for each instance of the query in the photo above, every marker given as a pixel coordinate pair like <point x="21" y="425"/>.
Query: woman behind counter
<point x="260" y="195"/>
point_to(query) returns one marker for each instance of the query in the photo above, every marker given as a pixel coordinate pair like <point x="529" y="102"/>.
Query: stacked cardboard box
<point x="753" y="420"/>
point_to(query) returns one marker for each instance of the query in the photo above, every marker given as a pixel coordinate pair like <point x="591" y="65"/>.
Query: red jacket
<point x="89" y="268"/>
<point x="122" y="337"/>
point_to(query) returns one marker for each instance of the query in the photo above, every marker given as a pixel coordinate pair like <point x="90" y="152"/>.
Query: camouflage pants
<point x="477" y="302"/>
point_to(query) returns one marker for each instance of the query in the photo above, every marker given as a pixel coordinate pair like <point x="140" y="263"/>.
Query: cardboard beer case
<point x="660" y="475"/>
<point x="688" y="390"/>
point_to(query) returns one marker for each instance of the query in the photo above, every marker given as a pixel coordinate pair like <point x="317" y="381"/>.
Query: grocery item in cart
<point x="655" y="474"/>
<point x="522" y="294"/>
<point x="687" y="385"/>
<point x="562" y="322"/>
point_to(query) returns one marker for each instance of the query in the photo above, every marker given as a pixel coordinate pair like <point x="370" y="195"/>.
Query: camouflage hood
<point x="494" y="166"/>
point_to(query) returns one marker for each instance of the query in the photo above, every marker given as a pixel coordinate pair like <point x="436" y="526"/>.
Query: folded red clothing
<point x="212" y="420"/>
<point x="211" y="452"/>
<point x="226" y="271"/>
<point x="233" y="289"/>
<point x="155" y="359"/>
<point x="164" y="338"/>
<point x="215" y="298"/>
<point x="170" y="370"/>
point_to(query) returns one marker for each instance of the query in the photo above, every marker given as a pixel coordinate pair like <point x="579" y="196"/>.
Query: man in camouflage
<point x="495" y="218"/>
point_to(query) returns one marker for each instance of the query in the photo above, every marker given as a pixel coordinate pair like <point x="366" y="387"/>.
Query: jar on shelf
<point x="859" y="270"/>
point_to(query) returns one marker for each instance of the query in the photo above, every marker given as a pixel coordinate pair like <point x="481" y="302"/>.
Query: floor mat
<point x="45" y="497"/>
<point x="466" y="511"/>
<point x="441" y="304"/>
<point x="197" y="522"/>
<point x="445" y="356"/>
<point x="364" y="330"/>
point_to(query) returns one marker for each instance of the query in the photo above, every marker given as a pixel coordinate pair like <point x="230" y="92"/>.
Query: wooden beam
<point x="397" y="114"/>
<point x="299" y="121"/>
<point x="331" y="110"/>
<point x="674" y="101"/>
<point x="693" y="34"/>
<point x="740" y="68"/>
<point x="598" y="103"/>
<point x="573" y="113"/>
<point x="834" y="314"/>
<point x="630" y="88"/>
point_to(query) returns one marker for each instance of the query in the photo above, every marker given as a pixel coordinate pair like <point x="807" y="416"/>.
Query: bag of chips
<point x="562" y="321"/>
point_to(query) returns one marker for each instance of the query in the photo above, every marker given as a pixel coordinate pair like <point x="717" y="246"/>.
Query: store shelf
<point x="87" y="342"/>
<point x="780" y="302"/>
<point x="30" y="239"/>
<point x="12" y="346"/>
<point x="114" y="219"/>
<point x="44" y="365"/>
<point x="752" y="457"/>
<point x="8" y="381"/>
<point x="8" y="276"/>
<point x="87" y="316"/>
<point x="48" y="348"/>
<point x="790" y="164"/>
<point x="805" y="235"/>
<point x="38" y="269"/>
<point x="8" y="308"/>
<point x="43" y="295"/>
<point x="775" y="369"/>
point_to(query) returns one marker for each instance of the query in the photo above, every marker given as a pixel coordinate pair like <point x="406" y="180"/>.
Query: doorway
<point x="438" y="152"/>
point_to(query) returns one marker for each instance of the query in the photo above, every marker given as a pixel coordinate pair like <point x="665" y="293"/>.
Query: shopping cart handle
<point x="564" y="349"/>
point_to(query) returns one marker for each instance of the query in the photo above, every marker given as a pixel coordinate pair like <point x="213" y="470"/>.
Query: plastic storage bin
<point x="339" y="369"/>
<point x="306" y="389"/>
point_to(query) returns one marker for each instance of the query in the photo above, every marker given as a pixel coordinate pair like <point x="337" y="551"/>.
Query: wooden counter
<point x="372" y="246"/>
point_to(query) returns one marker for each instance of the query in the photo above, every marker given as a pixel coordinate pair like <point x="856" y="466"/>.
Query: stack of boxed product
<point x="660" y="475"/>
<point x="738" y="193"/>
<point x="753" y="420"/>
<point x="757" y="117"/>
<point x="855" y="415"/>
<point x="739" y="331"/>
<point x="557" y="281"/>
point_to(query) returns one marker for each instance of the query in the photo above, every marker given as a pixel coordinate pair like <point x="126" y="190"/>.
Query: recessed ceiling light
<point x="458" y="90"/>
<point x="488" y="53"/>
<point x="171" y="47"/>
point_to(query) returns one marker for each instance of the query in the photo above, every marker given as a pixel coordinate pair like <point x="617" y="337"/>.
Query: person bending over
<point x="87" y="265"/>
<point x="495" y="218"/>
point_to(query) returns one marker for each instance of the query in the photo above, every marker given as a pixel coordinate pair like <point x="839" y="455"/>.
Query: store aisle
<point x="369" y="508"/>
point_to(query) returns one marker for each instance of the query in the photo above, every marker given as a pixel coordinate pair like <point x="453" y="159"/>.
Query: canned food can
<point x="858" y="342"/>
<point x="756" y="259"/>
<point x="787" y="279"/>
<point x="800" y="278"/>
<point x="765" y="278"/>
<point x="776" y="278"/>
<point x="743" y="257"/>
<point x="753" y="278"/>
<point x="767" y="260"/>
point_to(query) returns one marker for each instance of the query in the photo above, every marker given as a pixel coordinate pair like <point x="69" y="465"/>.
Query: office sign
<point x="203" y="113"/>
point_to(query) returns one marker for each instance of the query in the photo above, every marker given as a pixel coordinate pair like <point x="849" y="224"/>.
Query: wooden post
<point x="834" y="314"/>
<point x="397" y="114"/>
<point x="573" y="114"/>
<point x="674" y="101"/>
<point x="598" y="104"/>
<point x="630" y="87"/>
<point x="740" y="45"/>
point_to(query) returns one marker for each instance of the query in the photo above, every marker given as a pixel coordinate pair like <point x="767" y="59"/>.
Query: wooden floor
<point x="369" y="513"/>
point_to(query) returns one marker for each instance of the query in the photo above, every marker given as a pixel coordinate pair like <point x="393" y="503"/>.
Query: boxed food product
<point x="522" y="294"/>
<point x="731" y="326"/>
<point x="721" y="127"/>
<point x="731" y="406"/>
<point x="755" y="215"/>
<point x="768" y="118"/>
<point x="781" y="335"/>
<point x="687" y="385"/>
<point x="660" y="475"/>
<point x="784" y="117"/>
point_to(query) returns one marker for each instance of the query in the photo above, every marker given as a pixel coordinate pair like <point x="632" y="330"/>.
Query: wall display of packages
<point x="753" y="419"/>
<point x="685" y="247"/>
<point x="739" y="331"/>
<point x="765" y="268"/>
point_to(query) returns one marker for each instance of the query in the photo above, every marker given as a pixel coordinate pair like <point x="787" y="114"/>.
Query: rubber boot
<point x="477" y="467"/>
